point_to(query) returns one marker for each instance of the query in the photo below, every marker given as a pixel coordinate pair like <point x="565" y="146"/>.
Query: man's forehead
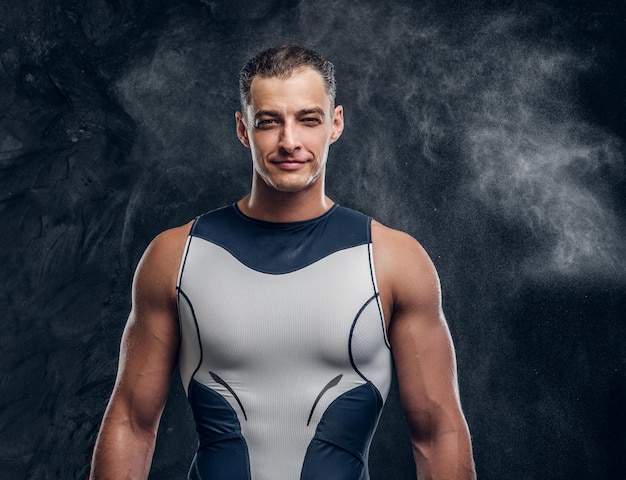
<point x="304" y="86"/>
<point x="302" y="71"/>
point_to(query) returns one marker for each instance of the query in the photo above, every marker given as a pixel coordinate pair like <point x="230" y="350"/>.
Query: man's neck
<point x="275" y="206"/>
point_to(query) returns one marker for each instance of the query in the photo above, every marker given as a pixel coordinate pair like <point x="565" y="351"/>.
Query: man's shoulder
<point x="172" y="237"/>
<point x="404" y="270"/>
<point x="386" y="236"/>
<point x="157" y="271"/>
<point x="397" y="250"/>
<point x="166" y="250"/>
<point x="391" y="242"/>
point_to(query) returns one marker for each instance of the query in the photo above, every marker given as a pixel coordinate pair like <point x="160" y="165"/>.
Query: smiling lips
<point x="289" y="164"/>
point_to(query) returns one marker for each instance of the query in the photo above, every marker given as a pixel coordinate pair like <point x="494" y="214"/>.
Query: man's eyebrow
<point x="266" y="113"/>
<point x="309" y="111"/>
<point x="301" y="113"/>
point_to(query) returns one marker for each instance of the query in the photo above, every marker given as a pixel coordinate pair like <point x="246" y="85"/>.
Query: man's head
<point x="282" y="62"/>
<point x="288" y="118"/>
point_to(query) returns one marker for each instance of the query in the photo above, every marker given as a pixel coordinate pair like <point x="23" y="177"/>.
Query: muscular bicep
<point x="419" y="336"/>
<point x="426" y="370"/>
<point x="147" y="358"/>
<point x="150" y="341"/>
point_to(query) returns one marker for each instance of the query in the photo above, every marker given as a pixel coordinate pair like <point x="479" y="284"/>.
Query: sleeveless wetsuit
<point x="283" y="352"/>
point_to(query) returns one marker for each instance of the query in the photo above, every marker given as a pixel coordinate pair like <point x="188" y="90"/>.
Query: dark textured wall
<point x="494" y="132"/>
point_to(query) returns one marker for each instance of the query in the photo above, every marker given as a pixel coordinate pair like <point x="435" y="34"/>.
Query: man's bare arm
<point x="148" y="355"/>
<point x="424" y="358"/>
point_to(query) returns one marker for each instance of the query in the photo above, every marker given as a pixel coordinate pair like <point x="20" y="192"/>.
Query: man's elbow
<point x="445" y="453"/>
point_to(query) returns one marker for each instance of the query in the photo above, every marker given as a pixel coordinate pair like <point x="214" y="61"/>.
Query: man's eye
<point x="265" y="123"/>
<point x="311" y="120"/>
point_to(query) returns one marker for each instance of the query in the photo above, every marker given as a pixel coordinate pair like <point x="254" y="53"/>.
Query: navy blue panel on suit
<point x="283" y="247"/>
<point x="339" y="448"/>
<point x="222" y="454"/>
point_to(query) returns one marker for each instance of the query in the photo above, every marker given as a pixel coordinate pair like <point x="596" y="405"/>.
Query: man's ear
<point x="242" y="130"/>
<point x="337" y="128"/>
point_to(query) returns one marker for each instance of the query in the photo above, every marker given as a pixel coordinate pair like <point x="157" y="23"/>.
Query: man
<point x="284" y="312"/>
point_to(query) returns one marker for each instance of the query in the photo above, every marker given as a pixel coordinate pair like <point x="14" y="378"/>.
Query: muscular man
<point x="284" y="312"/>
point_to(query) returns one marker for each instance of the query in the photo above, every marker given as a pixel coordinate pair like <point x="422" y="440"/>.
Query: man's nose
<point x="289" y="141"/>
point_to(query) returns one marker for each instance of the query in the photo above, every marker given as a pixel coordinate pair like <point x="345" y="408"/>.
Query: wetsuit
<point x="283" y="355"/>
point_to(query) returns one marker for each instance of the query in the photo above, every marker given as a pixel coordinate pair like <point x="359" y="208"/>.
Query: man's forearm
<point x="448" y="456"/>
<point x="122" y="453"/>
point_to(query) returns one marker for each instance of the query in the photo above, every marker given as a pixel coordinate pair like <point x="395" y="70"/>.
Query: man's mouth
<point x="289" y="163"/>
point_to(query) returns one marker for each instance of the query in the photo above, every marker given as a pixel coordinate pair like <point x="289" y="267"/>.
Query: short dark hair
<point x="282" y="62"/>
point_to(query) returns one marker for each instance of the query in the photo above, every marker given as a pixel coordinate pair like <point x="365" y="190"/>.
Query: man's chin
<point x="291" y="185"/>
<point x="290" y="188"/>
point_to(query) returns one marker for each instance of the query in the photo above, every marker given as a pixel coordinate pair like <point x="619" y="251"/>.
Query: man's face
<point x="288" y="127"/>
